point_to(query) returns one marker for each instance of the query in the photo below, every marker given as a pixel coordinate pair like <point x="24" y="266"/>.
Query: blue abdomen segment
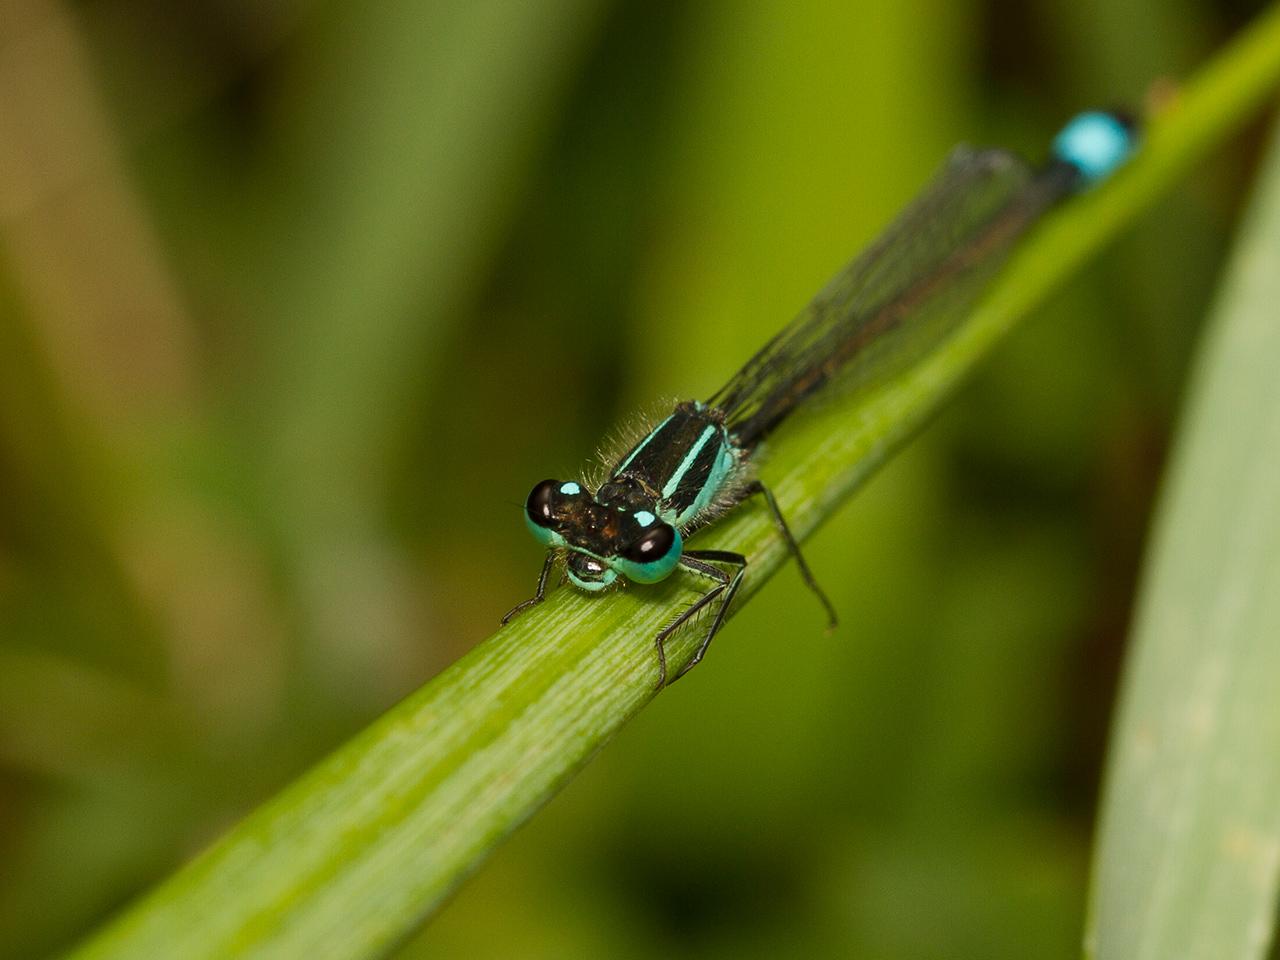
<point x="1095" y="144"/>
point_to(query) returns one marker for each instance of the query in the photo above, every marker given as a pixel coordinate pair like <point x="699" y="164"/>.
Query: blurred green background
<point x="298" y="299"/>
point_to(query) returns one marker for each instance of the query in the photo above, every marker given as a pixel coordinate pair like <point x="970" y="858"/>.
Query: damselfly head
<point x="602" y="540"/>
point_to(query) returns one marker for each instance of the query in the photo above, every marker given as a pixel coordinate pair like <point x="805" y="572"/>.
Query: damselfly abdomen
<point x="899" y="299"/>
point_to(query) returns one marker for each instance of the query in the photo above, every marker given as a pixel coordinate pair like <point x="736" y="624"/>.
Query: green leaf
<point x="349" y="859"/>
<point x="1188" y="857"/>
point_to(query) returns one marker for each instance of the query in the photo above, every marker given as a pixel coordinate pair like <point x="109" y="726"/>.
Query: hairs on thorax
<point x="621" y="438"/>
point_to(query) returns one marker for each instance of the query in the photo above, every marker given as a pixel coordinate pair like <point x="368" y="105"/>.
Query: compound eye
<point x="653" y="546"/>
<point x="652" y="555"/>
<point x="539" y="506"/>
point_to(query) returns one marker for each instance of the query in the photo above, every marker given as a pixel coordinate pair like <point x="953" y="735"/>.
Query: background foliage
<point x="298" y="299"/>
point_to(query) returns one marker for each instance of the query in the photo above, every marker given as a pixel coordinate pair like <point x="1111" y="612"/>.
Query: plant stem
<point x="1187" y="858"/>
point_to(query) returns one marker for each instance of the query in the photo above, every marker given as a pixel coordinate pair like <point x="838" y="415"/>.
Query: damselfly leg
<point x="806" y="574"/>
<point x="539" y="595"/>
<point x="726" y="586"/>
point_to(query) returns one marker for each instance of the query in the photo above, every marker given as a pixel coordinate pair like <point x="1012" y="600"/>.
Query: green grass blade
<point x="1188" y="858"/>
<point x="350" y="858"/>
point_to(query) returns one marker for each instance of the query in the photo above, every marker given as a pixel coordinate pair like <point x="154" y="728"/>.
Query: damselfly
<point x="897" y="300"/>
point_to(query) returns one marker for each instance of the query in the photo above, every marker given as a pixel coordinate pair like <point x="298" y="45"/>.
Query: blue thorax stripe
<point x="674" y="482"/>
<point x="641" y="445"/>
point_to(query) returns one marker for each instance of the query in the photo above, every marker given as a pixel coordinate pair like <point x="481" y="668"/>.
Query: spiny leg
<point x="731" y="590"/>
<point x="539" y="595"/>
<point x="661" y="639"/>
<point x="726" y="584"/>
<point x="805" y="573"/>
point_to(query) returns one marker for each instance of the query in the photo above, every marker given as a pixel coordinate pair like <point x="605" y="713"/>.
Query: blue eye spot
<point x="644" y="518"/>
<point x="570" y="489"/>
